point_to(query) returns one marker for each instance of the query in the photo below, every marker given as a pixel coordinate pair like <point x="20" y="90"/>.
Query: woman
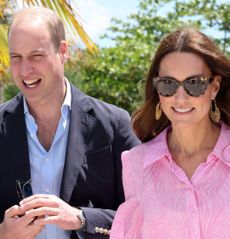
<point x="177" y="182"/>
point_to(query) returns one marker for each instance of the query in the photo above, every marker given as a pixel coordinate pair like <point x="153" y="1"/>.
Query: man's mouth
<point x="31" y="83"/>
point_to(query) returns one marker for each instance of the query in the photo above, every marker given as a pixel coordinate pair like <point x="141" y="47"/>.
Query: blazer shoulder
<point x="10" y="106"/>
<point x="97" y="108"/>
<point x="109" y="110"/>
<point x="142" y="151"/>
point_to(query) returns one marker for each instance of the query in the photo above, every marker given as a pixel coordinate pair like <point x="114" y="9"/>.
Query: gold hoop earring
<point x="214" y="112"/>
<point x="158" y="111"/>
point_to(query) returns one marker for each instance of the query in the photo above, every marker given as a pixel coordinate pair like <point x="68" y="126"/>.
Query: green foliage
<point x="10" y="91"/>
<point x="112" y="75"/>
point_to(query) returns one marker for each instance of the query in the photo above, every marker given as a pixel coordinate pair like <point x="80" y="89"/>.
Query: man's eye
<point x="15" y="59"/>
<point x="37" y="57"/>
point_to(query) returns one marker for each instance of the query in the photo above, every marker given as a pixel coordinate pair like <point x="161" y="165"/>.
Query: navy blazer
<point x="98" y="133"/>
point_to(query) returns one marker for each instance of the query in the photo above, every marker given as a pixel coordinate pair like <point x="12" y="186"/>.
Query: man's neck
<point x="47" y="115"/>
<point x="49" y="108"/>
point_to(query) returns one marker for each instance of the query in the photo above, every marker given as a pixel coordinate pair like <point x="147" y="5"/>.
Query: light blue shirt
<point x="47" y="167"/>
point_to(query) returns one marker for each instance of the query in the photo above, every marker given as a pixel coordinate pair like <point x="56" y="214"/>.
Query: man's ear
<point x="63" y="50"/>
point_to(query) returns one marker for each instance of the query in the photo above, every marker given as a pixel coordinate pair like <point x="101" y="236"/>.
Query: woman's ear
<point x="216" y="85"/>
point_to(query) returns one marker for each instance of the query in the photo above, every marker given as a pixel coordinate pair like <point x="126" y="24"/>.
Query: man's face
<point x="37" y="67"/>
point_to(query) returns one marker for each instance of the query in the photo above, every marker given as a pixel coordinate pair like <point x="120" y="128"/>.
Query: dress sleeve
<point x="128" y="218"/>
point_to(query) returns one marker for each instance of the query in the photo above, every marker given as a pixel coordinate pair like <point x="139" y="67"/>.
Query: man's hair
<point x="54" y="24"/>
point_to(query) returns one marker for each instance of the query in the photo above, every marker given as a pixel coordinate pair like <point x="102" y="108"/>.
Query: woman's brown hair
<point x="189" y="40"/>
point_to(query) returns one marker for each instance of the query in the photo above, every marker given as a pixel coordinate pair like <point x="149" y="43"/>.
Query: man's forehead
<point x="26" y="23"/>
<point x="29" y="31"/>
<point x="25" y="39"/>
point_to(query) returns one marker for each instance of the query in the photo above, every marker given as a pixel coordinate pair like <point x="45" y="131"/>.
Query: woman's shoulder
<point x="140" y="153"/>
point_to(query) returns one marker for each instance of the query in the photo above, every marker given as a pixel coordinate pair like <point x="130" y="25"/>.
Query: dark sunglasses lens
<point x="27" y="190"/>
<point x="195" y="86"/>
<point x="24" y="189"/>
<point x="166" y="87"/>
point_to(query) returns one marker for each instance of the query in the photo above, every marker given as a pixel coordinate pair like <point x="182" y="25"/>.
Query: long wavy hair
<point x="188" y="40"/>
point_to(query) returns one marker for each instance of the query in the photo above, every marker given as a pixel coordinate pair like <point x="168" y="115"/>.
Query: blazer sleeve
<point x="128" y="219"/>
<point x="97" y="218"/>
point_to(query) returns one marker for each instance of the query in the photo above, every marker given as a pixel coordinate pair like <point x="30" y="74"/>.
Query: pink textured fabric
<point x="162" y="203"/>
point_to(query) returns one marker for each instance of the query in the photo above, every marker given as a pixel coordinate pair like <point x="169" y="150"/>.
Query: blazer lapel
<point x="79" y="132"/>
<point x="15" y="130"/>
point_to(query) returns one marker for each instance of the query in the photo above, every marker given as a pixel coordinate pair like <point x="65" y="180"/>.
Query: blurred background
<point x="112" y="42"/>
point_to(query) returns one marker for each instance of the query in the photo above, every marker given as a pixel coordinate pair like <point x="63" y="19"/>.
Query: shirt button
<point x="46" y="159"/>
<point x="101" y="230"/>
<point x="106" y="231"/>
<point x="47" y="190"/>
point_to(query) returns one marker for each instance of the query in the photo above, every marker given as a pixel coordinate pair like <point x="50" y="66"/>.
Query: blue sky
<point x="96" y="15"/>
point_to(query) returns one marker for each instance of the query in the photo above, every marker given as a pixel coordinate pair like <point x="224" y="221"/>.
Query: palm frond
<point x="4" y="55"/>
<point x="69" y="17"/>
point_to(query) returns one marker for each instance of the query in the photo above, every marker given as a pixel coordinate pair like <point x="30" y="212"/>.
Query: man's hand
<point x="50" y="210"/>
<point x="18" y="226"/>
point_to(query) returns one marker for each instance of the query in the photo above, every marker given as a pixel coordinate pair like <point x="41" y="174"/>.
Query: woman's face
<point x="182" y="109"/>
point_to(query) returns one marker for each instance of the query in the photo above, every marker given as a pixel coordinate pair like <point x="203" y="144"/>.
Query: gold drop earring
<point x="214" y="112"/>
<point x="158" y="111"/>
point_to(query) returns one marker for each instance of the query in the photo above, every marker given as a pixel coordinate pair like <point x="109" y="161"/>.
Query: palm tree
<point x="64" y="9"/>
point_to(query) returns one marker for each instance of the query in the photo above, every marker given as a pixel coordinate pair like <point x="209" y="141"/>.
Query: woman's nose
<point x="181" y="93"/>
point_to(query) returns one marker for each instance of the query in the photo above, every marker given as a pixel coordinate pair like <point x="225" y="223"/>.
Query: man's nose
<point x="26" y="67"/>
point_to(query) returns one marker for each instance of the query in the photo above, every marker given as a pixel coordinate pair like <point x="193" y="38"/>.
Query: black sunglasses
<point x="194" y="85"/>
<point x="24" y="189"/>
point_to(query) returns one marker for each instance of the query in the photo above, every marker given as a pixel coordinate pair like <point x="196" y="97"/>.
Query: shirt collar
<point x="156" y="148"/>
<point x="66" y="106"/>
<point x="222" y="147"/>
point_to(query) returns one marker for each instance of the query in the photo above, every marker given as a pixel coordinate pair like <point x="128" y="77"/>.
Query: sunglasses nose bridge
<point x="178" y="85"/>
<point x="181" y="91"/>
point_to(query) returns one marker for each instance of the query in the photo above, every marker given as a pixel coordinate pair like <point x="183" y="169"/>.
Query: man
<point x="67" y="143"/>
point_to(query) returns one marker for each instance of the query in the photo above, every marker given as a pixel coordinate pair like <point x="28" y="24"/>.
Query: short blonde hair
<point x="54" y="24"/>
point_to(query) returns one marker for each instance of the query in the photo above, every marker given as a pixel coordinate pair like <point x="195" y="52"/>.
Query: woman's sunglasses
<point x="194" y="85"/>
